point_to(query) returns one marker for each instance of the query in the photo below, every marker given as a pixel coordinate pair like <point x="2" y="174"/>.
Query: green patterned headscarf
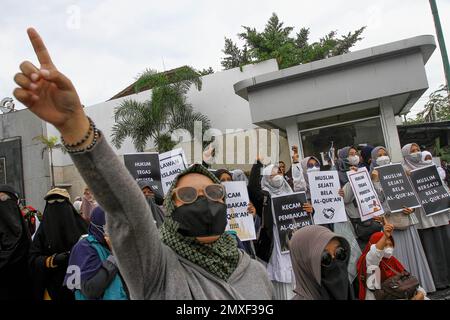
<point x="220" y="257"/>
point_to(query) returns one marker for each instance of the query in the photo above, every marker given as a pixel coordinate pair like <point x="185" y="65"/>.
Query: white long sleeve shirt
<point x="298" y="178"/>
<point x="373" y="273"/>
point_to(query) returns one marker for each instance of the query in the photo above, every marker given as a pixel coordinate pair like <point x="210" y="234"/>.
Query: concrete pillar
<point x="390" y="130"/>
<point x="293" y="136"/>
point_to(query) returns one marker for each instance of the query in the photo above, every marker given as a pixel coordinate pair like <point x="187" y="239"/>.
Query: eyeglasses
<point x="56" y="200"/>
<point x="4" y="197"/>
<point x="214" y="192"/>
<point x="309" y="165"/>
<point x="340" y="254"/>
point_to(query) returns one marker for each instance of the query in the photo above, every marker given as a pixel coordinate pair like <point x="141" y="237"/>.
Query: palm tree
<point x="166" y="111"/>
<point x="50" y="143"/>
<point x="438" y="105"/>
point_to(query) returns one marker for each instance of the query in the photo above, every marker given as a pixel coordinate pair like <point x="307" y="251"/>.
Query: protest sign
<point x="369" y="205"/>
<point x="328" y="204"/>
<point x="432" y="194"/>
<point x="239" y="219"/>
<point x="171" y="163"/>
<point x="396" y="187"/>
<point x="289" y="216"/>
<point x="144" y="166"/>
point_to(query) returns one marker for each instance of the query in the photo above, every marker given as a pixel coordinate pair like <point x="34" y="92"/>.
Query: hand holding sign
<point x="407" y="211"/>
<point x="308" y="207"/>
<point x="374" y="175"/>
<point x="251" y="209"/>
<point x="49" y="94"/>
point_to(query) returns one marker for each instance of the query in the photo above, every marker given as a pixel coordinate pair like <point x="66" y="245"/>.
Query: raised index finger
<point x="39" y="47"/>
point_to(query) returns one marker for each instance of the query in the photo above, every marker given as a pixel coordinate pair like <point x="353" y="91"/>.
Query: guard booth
<point x="351" y="99"/>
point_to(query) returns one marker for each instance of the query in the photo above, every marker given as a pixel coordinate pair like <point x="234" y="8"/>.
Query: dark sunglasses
<point x="214" y="192"/>
<point x="56" y="200"/>
<point x="340" y="254"/>
<point x="309" y="165"/>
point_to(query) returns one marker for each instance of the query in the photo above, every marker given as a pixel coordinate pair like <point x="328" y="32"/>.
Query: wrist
<point x="75" y="128"/>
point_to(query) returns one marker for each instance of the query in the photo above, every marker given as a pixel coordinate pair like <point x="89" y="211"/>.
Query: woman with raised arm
<point x="193" y="258"/>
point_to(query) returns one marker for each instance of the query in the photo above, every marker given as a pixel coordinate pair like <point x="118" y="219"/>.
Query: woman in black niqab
<point x="61" y="227"/>
<point x="15" y="242"/>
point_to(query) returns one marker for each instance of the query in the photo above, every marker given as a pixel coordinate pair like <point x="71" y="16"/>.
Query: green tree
<point x="275" y="42"/>
<point x="205" y="72"/>
<point x="437" y="107"/>
<point x="167" y="110"/>
<point x="50" y="144"/>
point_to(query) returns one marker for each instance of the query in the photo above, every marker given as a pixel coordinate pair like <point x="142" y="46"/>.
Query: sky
<point x="103" y="45"/>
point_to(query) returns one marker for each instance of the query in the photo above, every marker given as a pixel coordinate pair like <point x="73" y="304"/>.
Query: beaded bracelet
<point x="86" y="137"/>
<point x="89" y="147"/>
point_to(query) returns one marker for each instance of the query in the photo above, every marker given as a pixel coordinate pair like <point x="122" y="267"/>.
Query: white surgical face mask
<point x="353" y="160"/>
<point x="428" y="161"/>
<point x="381" y="161"/>
<point x="313" y="169"/>
<point x="388" y="252"/>
<point x="415" y="157"/>
<point x="277" y="181"/>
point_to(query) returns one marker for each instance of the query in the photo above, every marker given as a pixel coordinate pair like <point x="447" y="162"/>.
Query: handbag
<point x="401" y="286"/>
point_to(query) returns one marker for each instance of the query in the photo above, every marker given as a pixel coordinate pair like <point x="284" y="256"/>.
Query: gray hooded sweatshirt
<point x="151" y="269"/>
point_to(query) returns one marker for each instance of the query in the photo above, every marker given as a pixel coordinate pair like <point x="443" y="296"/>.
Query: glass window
<point x="317" y="142"/>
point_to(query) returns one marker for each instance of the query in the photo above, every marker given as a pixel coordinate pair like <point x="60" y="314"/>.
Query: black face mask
<point x="156" y="197"/>
<point x="335" y="280"/>
<point x="201" y="218"/>
<point x="159" y="200"/>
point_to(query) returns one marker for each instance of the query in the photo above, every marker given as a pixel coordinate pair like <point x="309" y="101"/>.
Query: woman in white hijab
<point x="265" y="183"/>
<point x="408" y="248"/>
<point x="427" y="158"/>
<point x="434" y="230"/>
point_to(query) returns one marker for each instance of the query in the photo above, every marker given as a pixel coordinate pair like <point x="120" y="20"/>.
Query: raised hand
<point x="387" y="228"/>
<point x="49" y="94"/>
<point x="260" y="158"/>
<point x="295" y="156"/>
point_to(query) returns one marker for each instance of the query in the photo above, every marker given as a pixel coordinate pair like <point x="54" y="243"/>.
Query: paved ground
<point x="440" y="295"/>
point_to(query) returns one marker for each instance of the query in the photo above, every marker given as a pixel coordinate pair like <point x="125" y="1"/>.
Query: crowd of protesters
<point x="122" y="240"/>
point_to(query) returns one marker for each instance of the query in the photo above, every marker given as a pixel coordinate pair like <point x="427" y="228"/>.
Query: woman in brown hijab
<point x="319" y="260"/>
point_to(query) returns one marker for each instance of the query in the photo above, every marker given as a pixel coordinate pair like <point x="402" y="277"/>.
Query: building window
<point x="317" y="142"/>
